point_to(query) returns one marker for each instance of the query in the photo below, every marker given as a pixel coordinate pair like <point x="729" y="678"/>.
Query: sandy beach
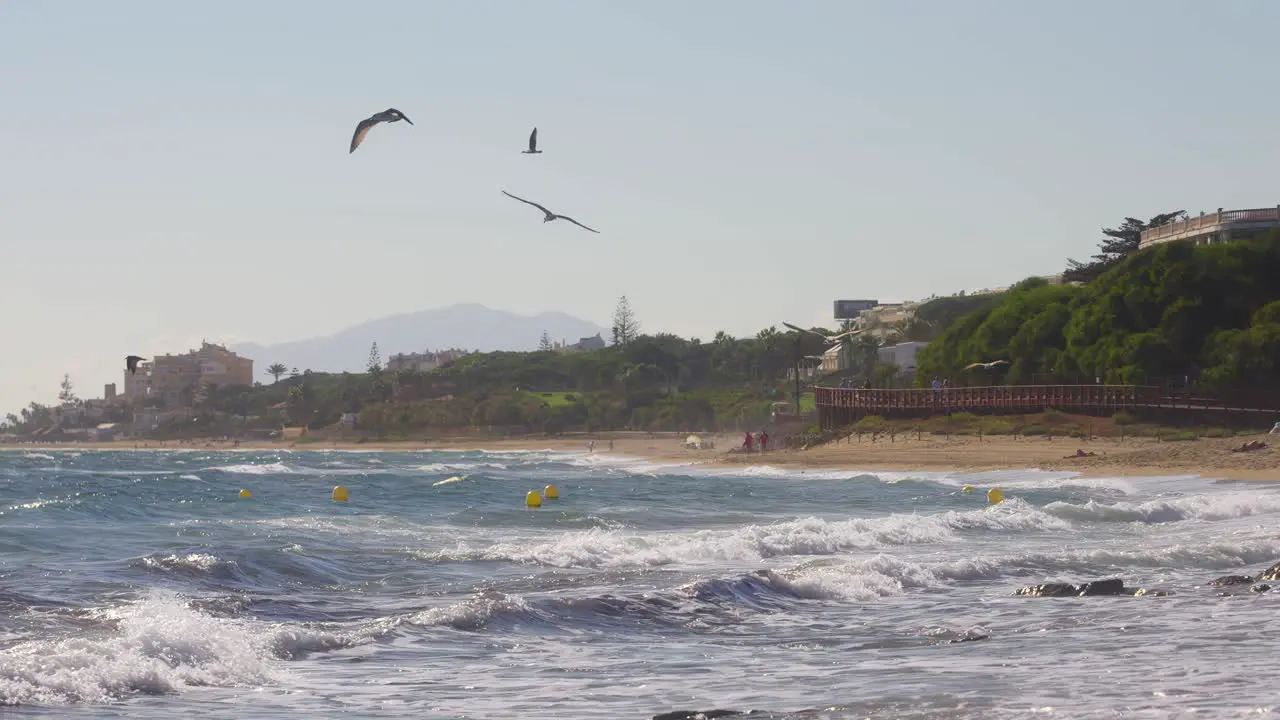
<point x="1212" y="458"/>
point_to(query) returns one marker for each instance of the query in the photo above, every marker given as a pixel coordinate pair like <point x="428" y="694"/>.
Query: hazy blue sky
<point x="177" y="170"/>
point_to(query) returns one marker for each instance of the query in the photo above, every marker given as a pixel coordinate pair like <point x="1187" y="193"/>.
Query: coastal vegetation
<point x="1206" y="316"/>
<point x="1201" y="316"/>
<point x="641" y="382"/>
<point x="1117" y="244"/>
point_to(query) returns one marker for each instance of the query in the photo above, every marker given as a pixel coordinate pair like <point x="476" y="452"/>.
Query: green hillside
<point x="1210" y="313"/>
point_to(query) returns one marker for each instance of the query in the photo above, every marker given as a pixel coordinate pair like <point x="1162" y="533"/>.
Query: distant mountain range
<point x="466" y="325"/>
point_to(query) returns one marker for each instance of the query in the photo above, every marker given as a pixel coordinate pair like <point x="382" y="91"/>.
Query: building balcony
<point x="1220" y="226"/>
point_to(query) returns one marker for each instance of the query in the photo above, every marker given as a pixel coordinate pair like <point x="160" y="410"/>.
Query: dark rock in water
<point x="1144" y="592"/>
<point x="1113" y="586"/>
<point x="1271" y="574"/>
<point x="1227" y="580"/>
<point x="696" y="714"/>
<point x="1048" y="590"/>
<point x="1260" y="588"/>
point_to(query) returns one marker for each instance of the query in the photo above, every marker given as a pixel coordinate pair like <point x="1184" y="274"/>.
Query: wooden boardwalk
<point x="842" y="406"/>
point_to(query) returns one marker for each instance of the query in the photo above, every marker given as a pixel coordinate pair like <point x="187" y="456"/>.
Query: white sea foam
<point x="160" y="645"/>
<point x="810" y="536"/>
<point x="202" y="563"/>
<point x="470" y="614"/>
<point x="459" y="467"/>
<point x="157" y="646"/>
<point x="875" y="577"/>
<point x="1211" y="507"/>
<point x="275" y="468"/>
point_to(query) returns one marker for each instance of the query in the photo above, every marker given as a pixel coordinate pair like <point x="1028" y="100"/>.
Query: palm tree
<point x="275" y="370"/>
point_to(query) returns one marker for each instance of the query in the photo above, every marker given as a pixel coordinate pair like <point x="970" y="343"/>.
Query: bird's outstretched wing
<point x="528" y="202"/>
<point x="361" y="130"/>
<point x="575" y="222"/>
<point x="533" y="140"/>
<point x="971" y="366"/>
<point x="841" y="336"/>
<point x="802" y="330"/>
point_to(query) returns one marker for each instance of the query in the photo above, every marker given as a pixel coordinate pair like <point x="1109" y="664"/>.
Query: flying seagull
<point x="131" y="364"/>
<point x="986" y="365"/>
<point x="828" y="338"/>
<point x="533" y="144"/>
<point x="388" y="115"/>
<point x="550" y="215"/>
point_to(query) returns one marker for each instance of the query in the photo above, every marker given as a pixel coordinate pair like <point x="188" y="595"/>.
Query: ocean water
<point x="138" y="584"/>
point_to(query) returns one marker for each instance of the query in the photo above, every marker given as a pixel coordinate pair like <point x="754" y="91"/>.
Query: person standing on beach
<point x="764" y="440"/>
<point x="747" y="442"/>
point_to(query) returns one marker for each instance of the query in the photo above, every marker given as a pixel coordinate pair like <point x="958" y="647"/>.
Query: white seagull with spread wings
<point x="831" y="339"/>
<point x="549" y="215"/>
<point x="986" y="365"/>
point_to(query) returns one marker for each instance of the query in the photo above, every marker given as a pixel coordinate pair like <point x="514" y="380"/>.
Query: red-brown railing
<point x="997" y="397"/>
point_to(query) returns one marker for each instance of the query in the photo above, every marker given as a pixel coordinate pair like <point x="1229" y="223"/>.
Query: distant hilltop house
<point x="879" y="319"/>
<point x="901" y="355"/>
<point x="90" y="410"/>
<point x="424" y="361"/>
<point x="595" y="342"/>
<point x="1217" y="227"/>
<point x="174" y="379"/>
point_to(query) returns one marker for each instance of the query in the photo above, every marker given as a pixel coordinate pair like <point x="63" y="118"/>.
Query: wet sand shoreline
<point x="1209" y="458"/>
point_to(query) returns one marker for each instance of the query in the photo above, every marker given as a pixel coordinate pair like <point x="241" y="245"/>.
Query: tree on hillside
<point x="275" y="370"/>
<point x="375" y="359"/>
<point x="67" y="394"/>
<point x="1118" y="244"/>
<point x="544" y="344"/>
<point x="625" y="326"/>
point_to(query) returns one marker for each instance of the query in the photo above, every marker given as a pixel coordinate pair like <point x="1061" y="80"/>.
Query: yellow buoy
<point x="994" y="495"/>
<point x="244" y="493"/>
<point x="533" y="499"/>
<point x="551" y="492"/>
<point x="339" y="493"/>
<point x="967" y="488"/>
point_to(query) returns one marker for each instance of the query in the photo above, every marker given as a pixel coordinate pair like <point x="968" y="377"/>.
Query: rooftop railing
<point x="1210" y="220"/>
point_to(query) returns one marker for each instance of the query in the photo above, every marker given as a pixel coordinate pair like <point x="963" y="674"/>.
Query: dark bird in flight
<point x="986" y="365"/>
<point x="533" y="144"/>
<point x="131" y="364"/>
<point x="388" y="115"/>
<point x="550" y="215"/>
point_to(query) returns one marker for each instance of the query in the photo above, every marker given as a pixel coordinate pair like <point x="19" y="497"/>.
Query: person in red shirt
<point x="747" y="443"/>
